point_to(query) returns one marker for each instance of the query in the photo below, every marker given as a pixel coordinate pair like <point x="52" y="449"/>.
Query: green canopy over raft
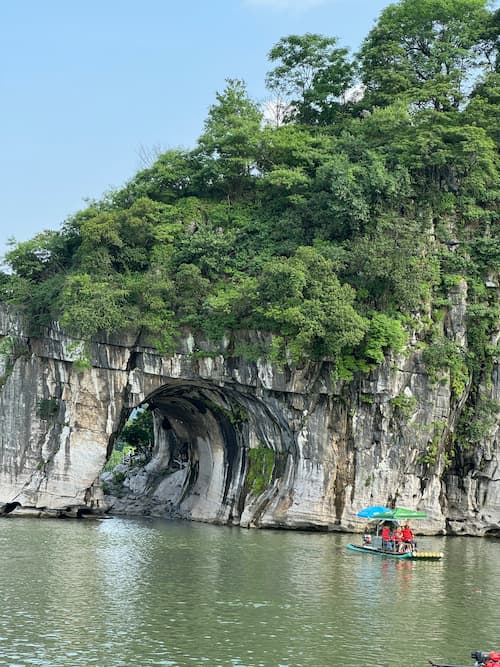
<point x="375" y="545"/>
<point x="398" y="514"/>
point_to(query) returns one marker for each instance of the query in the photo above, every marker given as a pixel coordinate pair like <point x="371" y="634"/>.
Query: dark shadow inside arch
<point x="9" y="507"/>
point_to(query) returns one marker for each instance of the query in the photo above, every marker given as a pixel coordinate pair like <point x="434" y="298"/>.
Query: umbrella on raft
<point x="368" y="512"/>
<point x="399" y="513"/>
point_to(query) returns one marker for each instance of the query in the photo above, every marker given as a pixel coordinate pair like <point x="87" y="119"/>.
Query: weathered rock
<point x="336" y="446"/>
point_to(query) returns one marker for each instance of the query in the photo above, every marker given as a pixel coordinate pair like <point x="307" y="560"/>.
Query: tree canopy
<point x="312" y="75"/>
<point x="426" y="51"/>
<point x="337" y="229"/>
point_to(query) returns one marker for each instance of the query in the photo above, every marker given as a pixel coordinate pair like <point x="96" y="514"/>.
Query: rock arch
<point x="60" y="422"/>
<point x="200" y="462"/>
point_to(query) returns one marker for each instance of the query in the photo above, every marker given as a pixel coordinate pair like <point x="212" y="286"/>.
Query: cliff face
<point x="240" y="442"/>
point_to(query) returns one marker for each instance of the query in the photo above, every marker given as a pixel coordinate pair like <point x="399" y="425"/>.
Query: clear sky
<point x="88" y="85"/>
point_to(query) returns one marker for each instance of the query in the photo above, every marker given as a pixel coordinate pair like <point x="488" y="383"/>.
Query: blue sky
<point x="88" y="85"/>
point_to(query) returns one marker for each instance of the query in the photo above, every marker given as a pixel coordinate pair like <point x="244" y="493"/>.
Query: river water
<point x="124" y="592"/>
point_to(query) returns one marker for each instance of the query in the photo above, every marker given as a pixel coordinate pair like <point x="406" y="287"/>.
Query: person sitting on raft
<point x="408" y="536"/>
<point x="397" y="538"/>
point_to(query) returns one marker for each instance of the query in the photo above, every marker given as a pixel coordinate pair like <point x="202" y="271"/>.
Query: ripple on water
<point x="144" y="593"/>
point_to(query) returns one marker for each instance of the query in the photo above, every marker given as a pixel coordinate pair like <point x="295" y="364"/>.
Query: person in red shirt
<point x="397" y="538"/>
<point x="386" y="537"/>
<point x="408" y="536"/>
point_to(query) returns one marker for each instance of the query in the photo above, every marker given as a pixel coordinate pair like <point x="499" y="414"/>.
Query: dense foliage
<point x="338" y="223"/>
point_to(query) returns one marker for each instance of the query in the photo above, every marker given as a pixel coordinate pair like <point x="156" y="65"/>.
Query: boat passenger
<point x="397" y="538"/>
<point x="408" y="536"/>
<point x="386" y="538"/>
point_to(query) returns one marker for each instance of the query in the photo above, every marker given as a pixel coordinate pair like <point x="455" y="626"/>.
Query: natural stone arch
<point x="200" y="460"/>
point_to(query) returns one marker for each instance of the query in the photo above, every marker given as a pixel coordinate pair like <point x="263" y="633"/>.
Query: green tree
<point x="441" y="156"/>
<point x="37" y="273"/>
<point x="213" y="250"/>
<point x="302" y="300"/>
<point x="39" y="258"/>
<point x="312" y="74"/>
<point x="149" y="304"/>
<point x="482" y="109"/>
<point x="172" y="176"/>
<point x="229" y="144"/>
<point x="394" y="265"/>
<point x="289" y="158"/>
<point x="138" y="432"/>
<point x="191" y="290"/>
<point x="114" y="239"/>
<point x="338" y="206"/>
<point x="426" y="51"/>
<point x="91" y="305"/>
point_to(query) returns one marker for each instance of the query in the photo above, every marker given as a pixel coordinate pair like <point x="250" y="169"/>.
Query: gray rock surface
<point x="383" y="438"/>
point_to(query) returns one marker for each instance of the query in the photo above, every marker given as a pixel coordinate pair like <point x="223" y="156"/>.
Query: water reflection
<point x="142" y="593"/>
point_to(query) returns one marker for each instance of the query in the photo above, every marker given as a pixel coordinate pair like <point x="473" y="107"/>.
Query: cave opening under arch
<point x="220" y="454"/>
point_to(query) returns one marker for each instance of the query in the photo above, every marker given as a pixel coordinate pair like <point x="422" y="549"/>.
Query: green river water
<point x="123" y="592"/>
